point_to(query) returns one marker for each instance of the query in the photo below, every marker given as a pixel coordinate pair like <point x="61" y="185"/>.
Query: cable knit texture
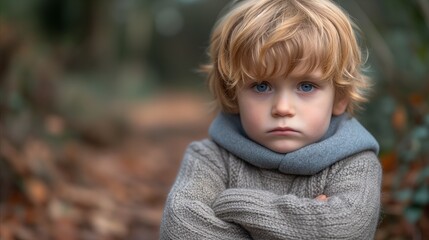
<point x="219" y="196"/>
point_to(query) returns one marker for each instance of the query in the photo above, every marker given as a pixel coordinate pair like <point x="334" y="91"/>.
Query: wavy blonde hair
<point x="267" y="39"/>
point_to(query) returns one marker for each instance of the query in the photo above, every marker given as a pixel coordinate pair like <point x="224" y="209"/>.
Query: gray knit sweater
<point x="218" y="195"/>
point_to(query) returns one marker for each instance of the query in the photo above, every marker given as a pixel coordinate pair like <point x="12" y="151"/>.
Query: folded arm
<point x="350" y="212"/>
<point x="187" y="213"/>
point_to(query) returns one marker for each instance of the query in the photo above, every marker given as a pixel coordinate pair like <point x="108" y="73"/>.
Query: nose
<point x="283" y="106"/>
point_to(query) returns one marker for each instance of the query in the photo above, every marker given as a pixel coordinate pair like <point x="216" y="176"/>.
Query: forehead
<point x="301" y="71"/>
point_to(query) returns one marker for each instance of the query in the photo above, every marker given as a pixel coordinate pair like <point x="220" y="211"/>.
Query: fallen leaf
<point x="37" y="191"/>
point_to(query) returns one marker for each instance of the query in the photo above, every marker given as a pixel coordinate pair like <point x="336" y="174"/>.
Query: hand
<point x="322" y="198"/>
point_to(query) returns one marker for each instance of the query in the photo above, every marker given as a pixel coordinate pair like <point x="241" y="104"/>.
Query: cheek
<point x="250" y="113"/>
<point x="318" y="116"/>
<point x="323" y="106"/>
<point x="247" y="114"/>
<point x="320" y="123"/>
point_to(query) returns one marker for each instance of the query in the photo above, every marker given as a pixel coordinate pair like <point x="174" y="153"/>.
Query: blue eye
<point x="306" y="87"/>
<point x="262" y="87"/>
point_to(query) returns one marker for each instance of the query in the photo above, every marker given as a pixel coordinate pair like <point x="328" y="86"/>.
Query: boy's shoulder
<point x="366" y="156"/>
<point x="357" y="163"/>
<point x="203" y="144"/>
<point x="211" y="155"/>
<point x="206" y="147"/>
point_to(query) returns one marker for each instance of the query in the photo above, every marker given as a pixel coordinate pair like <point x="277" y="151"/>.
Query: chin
<point x="283" y="149"/>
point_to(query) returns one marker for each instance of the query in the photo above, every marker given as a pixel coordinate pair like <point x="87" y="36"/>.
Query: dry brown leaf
<point x="108" y="225"/>
<point x="84" y="197"/>
<point x="399" y="118"/>
<point x="389" y="161"/>
<point x="37" y="191"/>
<point x="55" y="125"/>
<point x="59" y="210"/>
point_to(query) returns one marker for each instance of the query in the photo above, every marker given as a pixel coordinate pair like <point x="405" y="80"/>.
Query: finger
<point x="322" y="197"/>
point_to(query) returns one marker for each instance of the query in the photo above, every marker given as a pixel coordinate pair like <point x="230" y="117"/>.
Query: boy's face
<point x="287" y="114"/>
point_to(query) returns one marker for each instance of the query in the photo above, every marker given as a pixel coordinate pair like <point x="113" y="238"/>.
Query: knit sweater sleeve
<point x="351" y="212"/>
<point x="187" y="212"/>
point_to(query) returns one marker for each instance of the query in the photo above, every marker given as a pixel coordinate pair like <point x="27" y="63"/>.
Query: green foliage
<point x="399" y="111"/>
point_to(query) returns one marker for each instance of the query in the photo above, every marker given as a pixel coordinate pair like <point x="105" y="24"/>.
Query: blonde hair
<point x="266" y="39"/>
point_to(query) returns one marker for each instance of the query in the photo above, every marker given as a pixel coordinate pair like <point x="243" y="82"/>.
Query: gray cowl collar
<point x="345" y="137"/>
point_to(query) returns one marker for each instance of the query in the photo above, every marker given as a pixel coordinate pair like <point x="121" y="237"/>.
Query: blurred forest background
<point x="99" y="99"/>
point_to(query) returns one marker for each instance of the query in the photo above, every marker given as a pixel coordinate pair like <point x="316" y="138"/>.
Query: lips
<point x="283" y="130"/>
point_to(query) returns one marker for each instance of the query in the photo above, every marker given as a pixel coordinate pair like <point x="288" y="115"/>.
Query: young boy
<point x="285" y="158"/>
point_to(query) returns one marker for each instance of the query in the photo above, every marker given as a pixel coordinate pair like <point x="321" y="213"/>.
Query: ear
<point x="340" y="106"/>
